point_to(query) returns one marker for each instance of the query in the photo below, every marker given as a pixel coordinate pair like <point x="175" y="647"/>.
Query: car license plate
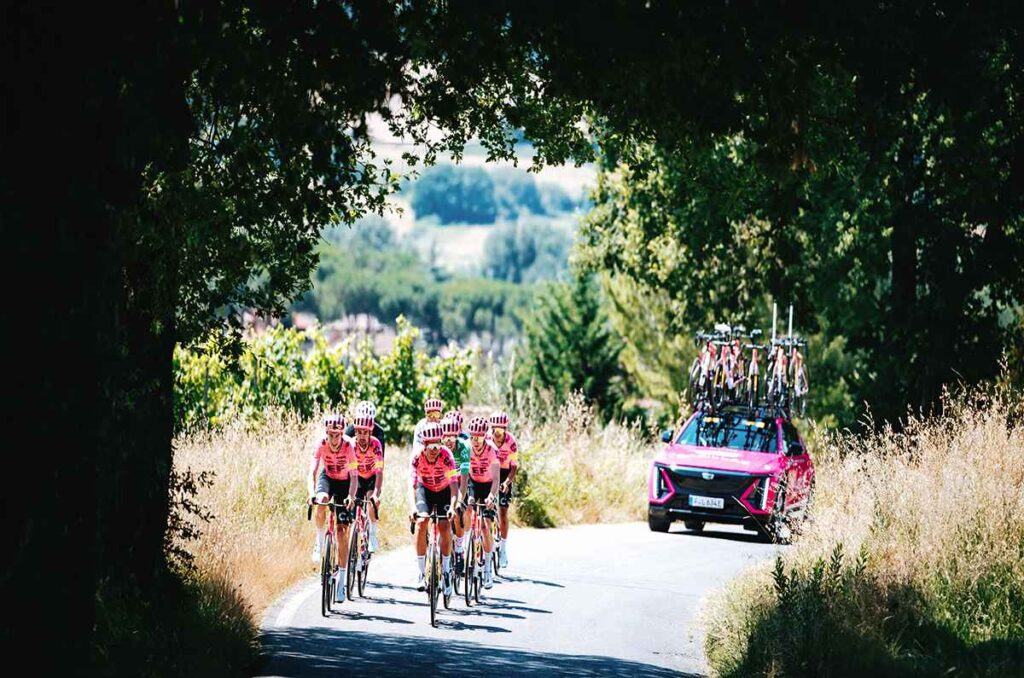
<point x="707" y="502"/>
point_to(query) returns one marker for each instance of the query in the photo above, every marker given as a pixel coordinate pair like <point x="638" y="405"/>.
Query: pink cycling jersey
<point x="480" y="464"/>
<point x="338" y="463"/>
<point x="371" y="460"/>
<point x="434" y="475"/>
<point x="508" y="451"/>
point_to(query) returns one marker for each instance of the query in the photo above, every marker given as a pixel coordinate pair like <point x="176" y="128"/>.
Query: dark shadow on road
<point x="385" y="585"/>
<point x="359" y="616"/>
<point x="745" y="537"/>
<point x="306" y="652"/>
<point x="455" y="625"/>
<point x="393" y="601"/>
<point x="506" y="600"/>
<point x="518" y="608"/>
<point x="484" y="610"/>
<point x="539" y="582"/>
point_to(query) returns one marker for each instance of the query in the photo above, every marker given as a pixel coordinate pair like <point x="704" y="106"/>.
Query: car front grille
<point x="721" y="483"/>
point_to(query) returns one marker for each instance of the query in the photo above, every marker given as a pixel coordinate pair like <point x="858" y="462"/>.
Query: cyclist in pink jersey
<point x="484" y="477"/>
<point x="431" y="414"/>
<point x="333" y="476"/>
<point x="370" y="458"/>
<point x="434" y="479"/>
<point x="508" y="458"/>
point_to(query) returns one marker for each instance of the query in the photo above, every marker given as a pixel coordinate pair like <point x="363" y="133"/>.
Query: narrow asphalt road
<point x="596" y="600"/>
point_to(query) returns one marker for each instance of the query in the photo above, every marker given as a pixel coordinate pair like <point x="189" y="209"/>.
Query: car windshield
<point x="731" y="430"/>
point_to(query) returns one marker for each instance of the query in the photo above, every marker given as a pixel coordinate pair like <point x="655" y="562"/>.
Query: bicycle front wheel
<point x="364" y="574"/>
<point x="326" y="570"/>
<point x="470" y="558"/>
<point x="432" y="585"/>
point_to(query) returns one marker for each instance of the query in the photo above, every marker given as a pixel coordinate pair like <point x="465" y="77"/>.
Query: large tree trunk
<point x="86" y="489"/>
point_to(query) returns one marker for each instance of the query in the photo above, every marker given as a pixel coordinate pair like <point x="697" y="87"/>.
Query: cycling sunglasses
<point x="498" y="429"/>
<point x="479" y="440"/>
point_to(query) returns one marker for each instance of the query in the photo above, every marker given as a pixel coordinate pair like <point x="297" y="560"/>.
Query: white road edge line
<point x="284" y="617"/>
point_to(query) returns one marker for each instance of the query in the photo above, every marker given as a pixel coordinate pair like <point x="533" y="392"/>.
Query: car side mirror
<point x="795" y="449"/>
<point x="666" y="436"/>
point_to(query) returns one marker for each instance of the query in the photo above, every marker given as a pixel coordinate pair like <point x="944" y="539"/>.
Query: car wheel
<point x="658" y="524"/>
<point x="694" y="525"/>
<point x="777" y="530"/>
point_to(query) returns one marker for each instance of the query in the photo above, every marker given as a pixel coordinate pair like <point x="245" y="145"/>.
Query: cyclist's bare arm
<point x="353" y="482"/>
<point x="314" y="466"/>
<point x="495" y="478"/>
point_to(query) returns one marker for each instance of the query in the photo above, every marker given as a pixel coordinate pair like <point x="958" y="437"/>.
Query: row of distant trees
<point x="461" y="194"/>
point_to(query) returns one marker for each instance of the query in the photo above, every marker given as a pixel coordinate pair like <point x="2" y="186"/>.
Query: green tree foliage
<point x="298" y="371"/>
<point x="369" y="233"/>
<point x="455" y="195"/>
<point x="516" y="193"/>
<point x="213" y="140"/>
<point x="523" y="253"/>
<point x="355" y="279"/>
<point x="479" y="306"/>
<point x="569" y="346"/>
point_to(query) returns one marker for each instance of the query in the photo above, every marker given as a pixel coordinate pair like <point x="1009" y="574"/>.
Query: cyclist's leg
<point x="344" y="518"/>
<point x="504" y="500"/>
<point x="422" y="526"/>
<point x="441" y="502"/>
<point x="366" y="486"/>
<point x="323" y="493"/>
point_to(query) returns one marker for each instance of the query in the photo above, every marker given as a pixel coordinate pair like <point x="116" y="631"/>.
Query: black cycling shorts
<point x="366" y="485"/>
<point x="428" y="502"/>
<point x="505" y="498"/>
<point x="336" y="490"/>
<point x="479" y="492"/>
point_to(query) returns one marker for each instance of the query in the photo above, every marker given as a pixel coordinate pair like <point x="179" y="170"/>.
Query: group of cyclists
<point x="452" y="469"/>
<point x="728" y="370"/>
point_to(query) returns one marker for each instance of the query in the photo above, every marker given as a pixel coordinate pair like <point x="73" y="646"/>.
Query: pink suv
<point x="732" y="467"/>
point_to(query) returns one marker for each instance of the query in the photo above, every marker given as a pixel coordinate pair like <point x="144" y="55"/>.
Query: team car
<point x="735" y="465"/>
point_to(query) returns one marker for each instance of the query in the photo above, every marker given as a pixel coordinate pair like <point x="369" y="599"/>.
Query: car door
<point x="798" y="473"/>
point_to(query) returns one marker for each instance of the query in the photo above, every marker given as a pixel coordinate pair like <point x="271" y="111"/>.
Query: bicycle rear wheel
<point x="353" y="560"/>
<point x="470" y="558"/>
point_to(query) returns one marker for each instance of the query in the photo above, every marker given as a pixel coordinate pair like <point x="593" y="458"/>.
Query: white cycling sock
<point x="446" y="564"/>
<point x="458" y="544"/>
<point x="321" y="534"/>
<point x="422" y="561"/>
<point x="373" y="530"/>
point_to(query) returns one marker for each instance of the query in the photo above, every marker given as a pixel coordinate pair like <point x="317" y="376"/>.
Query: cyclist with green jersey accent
<point x="451" y="437"/>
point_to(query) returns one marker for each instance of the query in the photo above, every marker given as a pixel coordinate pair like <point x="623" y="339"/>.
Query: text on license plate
<point x="707" y="502"/>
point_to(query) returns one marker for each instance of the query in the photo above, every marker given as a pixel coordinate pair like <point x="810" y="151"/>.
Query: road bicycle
<point x="753" y="377"/>
<point x="328" y="556"/>
<point x="799" y="378"/>
<point x="475" y="555"/>
<point x="434" y="575"/>
<point x="359" y="550"/>
<point x="496" y="540"/>
<point x="458" y="568"/>
<point x="777" y="390"/>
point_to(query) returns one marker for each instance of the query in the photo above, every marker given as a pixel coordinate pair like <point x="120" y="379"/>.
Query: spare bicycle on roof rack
<point x="727" y="371"/>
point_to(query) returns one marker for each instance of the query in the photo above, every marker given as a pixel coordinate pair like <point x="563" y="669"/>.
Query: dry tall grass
<point x="913" y="563"/>
<point x="574" y="471"/>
